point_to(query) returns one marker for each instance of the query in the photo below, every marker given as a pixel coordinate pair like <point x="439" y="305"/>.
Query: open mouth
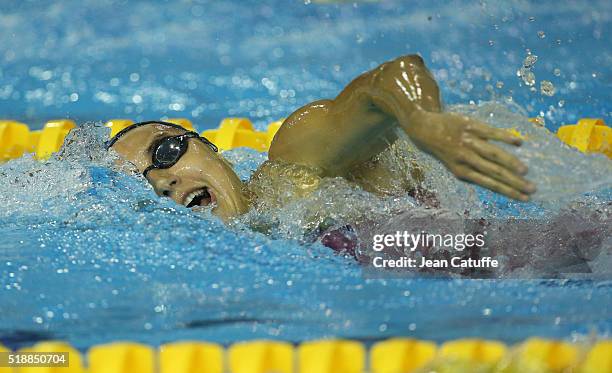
<point x="199" y="197"/>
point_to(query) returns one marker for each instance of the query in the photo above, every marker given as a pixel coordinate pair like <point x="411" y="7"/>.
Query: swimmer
<point x="334" y="138"/>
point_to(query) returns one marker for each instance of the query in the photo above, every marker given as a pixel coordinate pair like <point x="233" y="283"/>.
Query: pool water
<point x="85" y="261"/>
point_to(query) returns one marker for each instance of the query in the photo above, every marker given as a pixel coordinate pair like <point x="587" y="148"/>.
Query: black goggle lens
<point x="169" y="151"/>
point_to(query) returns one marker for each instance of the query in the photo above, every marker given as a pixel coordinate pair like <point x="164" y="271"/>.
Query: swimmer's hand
<point x="462" y="145"/>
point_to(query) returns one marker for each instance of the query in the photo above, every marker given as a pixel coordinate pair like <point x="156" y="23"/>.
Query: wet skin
<point x="339" y="137"/>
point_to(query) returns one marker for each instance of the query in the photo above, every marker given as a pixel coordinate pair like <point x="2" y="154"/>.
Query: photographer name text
<point x="409" y="242"/>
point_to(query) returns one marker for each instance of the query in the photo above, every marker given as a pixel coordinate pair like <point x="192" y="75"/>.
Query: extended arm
<point x="334" y="135"/>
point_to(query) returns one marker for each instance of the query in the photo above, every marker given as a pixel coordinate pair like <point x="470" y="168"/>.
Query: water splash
<point x="530" y="61"/>
<point x="527" y="76"/>
<point x="547" y="88"/>
<point x="558" y="169"/>
<point x="525" y="73"/>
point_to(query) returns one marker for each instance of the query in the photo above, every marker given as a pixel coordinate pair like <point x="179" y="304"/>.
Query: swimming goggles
<point x="167" y="151"/>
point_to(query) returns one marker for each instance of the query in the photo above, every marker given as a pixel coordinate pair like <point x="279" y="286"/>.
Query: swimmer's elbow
<point x="407" y="63"/>
<point x="407" y="80"/>
<point x="410" y="59"/>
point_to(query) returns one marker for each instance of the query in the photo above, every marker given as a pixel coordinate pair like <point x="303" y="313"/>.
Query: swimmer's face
<point x="199" y="178"/>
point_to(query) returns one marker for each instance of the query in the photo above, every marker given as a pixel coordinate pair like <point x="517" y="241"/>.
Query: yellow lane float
<point x="397" y="355"/>
<point x="598" y="359"/>
<point x="261" y="356"/>
<point x="187" y="357"/>
<point x="401" y="355"/>
<point x="119" y="357"/>
<point x="543" y="355"/>
<point x="588" y="135"/>
<point x="476" y="350"/>
<point x="14" y="139"/>
<point x="331" y="356"/>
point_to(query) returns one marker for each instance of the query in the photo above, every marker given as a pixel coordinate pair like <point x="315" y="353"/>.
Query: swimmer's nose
<point x="164" y="186"/>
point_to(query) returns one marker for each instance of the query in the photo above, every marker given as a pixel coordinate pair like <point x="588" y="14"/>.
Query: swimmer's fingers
<point x="468" y="174"/>
<point x="497" y="155"/>
<point x="499" y="173"/>
<point x="485" y="131"/>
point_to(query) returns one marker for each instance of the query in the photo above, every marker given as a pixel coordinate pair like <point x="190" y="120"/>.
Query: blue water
<point x="94" y="60"/>
<point x="83" y="260"/>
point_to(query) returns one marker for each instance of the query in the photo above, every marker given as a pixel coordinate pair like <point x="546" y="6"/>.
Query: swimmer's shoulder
<point x="304" y="123"/>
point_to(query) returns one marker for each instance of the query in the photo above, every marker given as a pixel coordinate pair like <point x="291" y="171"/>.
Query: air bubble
<point x="137" y="99"/>
<point x="557" y="72"/>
